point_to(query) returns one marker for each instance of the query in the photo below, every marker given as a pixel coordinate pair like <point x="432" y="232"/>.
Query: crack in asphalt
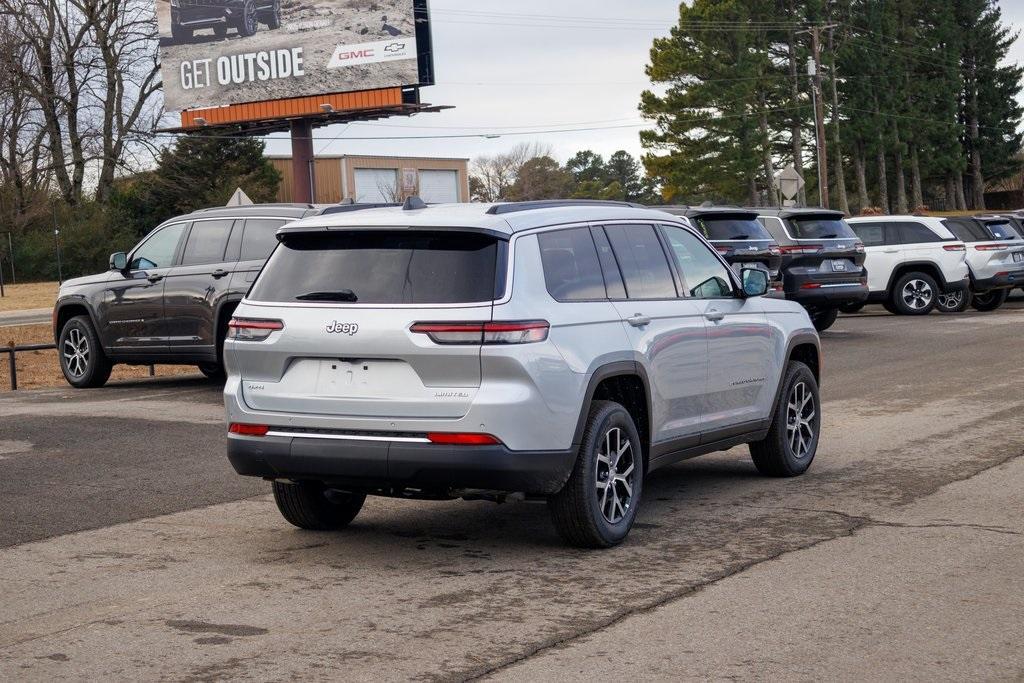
<point x="857" y="523"/>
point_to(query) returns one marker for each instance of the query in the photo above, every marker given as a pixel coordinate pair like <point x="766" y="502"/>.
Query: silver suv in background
<point x="561" y="350"/>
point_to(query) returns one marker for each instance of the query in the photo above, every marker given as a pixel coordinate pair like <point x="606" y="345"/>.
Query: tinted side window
<point x="871" y="234"/>
<point x="705" y="276"/>
<point x="609" y="266"/>
<point x="206" y="242"/>
<point x="642" y="261"/>
<point x="571" y="268"/>
<point x="915" y="233"/>
<point x="259" y="238"/>
<point x="159" y="248"/>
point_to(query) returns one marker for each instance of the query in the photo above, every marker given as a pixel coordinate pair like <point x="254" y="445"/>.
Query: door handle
<point x="714" y="315"/>
<point x="638" y="320"/>
<point x="219" y="273"/>
<point x="154" y="278"/>
<point x="890" y="251"/>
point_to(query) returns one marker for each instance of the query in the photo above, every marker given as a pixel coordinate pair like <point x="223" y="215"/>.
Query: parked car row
<point x="386" y="351"/>
<point x="383" y="350"/>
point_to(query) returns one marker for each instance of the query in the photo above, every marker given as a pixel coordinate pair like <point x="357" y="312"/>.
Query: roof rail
<point x="513" y="207"/>
<point x="346" y="207"/>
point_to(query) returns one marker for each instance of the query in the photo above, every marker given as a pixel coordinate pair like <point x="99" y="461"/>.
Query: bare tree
<point x="492" y="176"/>
<point x="91" y="68"/>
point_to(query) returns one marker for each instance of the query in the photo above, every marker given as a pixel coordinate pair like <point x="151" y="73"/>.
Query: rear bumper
<point x="815" y="291"/>
<point x="376" y="464"/>
<point x="1008" y="279"/>
<point x="958" y="286"/>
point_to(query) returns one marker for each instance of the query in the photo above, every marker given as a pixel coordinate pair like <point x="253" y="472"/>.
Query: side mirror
<point x="118" y="261"/>
<point x="755" y="282"/>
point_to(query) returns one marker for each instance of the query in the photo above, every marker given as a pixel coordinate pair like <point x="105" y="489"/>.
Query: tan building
<point x="380" y="179"/>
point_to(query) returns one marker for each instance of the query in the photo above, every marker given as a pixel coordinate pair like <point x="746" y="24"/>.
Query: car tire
<point x="990" y="300"/>
<point x="787" y="451"/>
<point x="311" y="505"/>
<point x="81" y="357"/>
<point x="272" y="17"/>
<point x="248" y="23"/>
<point x="212" y="370"/>
<point x="953" y="302"/>
<point x="914" y="294"/>
<point x="611" y="450"/>
<point x="824" y="319"/>
<point x="852" y="308"/>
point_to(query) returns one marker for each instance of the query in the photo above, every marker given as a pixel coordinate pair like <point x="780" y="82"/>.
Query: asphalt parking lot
<point x="130" y="550"/>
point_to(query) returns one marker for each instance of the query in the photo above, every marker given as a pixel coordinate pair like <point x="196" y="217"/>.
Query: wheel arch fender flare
<point x="626" y="368"/>
<point x="77" y="302"/>
<point x="799" y="339"/>
<point x="927" y="267"/>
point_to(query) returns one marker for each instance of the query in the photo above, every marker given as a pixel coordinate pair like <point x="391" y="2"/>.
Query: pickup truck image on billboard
<point x="219" y="52"/>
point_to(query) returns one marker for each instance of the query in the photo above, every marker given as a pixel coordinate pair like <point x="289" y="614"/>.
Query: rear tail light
<point x="252" y="329"/>
<point x="801" y="249"/>
<point x="462" y="439"/>
<point x="859" y="247"/>
<point x="774" y="250"/>
<point x="991" y="247"/>
<point x="248" y="430"/>
<point x="810" y="285"/>
<point x="954" y="247"/>
<point x="519" y="332"/>
<point x="723" y="249"/>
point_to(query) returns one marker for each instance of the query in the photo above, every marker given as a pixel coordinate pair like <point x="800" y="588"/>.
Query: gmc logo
<point x="356" y="54"/>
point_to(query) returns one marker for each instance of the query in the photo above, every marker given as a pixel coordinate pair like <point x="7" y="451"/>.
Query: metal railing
<point x="12" y="364"/>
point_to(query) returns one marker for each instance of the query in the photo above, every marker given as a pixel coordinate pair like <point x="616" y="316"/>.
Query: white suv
<point x="995" y="256"/>
<point x="914" y="264"/>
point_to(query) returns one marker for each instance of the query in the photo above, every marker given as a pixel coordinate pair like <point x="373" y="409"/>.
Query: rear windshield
<point x="819" y="228"/>
<point x="1002" y="231"/>
<point x="383" y="267"/>
<point x="966" y="229"/>
<point x="726" y="228"/>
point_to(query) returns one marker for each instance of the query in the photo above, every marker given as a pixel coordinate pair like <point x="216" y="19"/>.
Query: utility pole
<point x="817" y="99"/>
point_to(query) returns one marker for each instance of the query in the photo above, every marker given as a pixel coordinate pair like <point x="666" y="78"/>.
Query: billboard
<point x="221" y="52"/>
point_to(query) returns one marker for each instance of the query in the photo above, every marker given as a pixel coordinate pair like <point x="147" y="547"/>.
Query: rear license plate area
<point x="1018" y="257"/>
<point x="839" y="266"/>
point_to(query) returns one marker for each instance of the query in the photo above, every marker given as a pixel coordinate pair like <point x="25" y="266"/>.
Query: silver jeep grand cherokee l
<point x="561" y="350"/>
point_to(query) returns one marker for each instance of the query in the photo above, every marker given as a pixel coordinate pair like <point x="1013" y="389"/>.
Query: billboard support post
<point x="302" y="160"/>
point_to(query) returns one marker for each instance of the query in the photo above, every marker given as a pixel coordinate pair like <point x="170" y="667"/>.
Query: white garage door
<point x="439" y="187"/>
<point x="376" y="184"/>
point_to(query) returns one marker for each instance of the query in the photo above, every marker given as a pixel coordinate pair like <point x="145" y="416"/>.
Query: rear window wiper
<point x="740" y="237"/>
<point x="830" y="236"/>
<point x="339" y="295"/>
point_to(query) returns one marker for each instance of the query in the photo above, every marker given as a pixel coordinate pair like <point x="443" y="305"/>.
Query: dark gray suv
<point x="170" y="298"/>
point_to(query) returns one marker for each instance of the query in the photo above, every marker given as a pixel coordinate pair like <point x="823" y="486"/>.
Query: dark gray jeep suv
<point x="170" y="298"/>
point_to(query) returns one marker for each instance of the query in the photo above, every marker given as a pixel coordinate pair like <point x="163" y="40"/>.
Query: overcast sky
<point x="530" y="70"/>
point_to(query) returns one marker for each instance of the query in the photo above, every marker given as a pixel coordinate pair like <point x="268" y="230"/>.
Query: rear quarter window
<point x="572" y="271"/>
<point x="386" y="267"/>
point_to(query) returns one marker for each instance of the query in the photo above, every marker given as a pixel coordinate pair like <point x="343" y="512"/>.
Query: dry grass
<point x="37" y="369"/>
<point x="31" y="295"/>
